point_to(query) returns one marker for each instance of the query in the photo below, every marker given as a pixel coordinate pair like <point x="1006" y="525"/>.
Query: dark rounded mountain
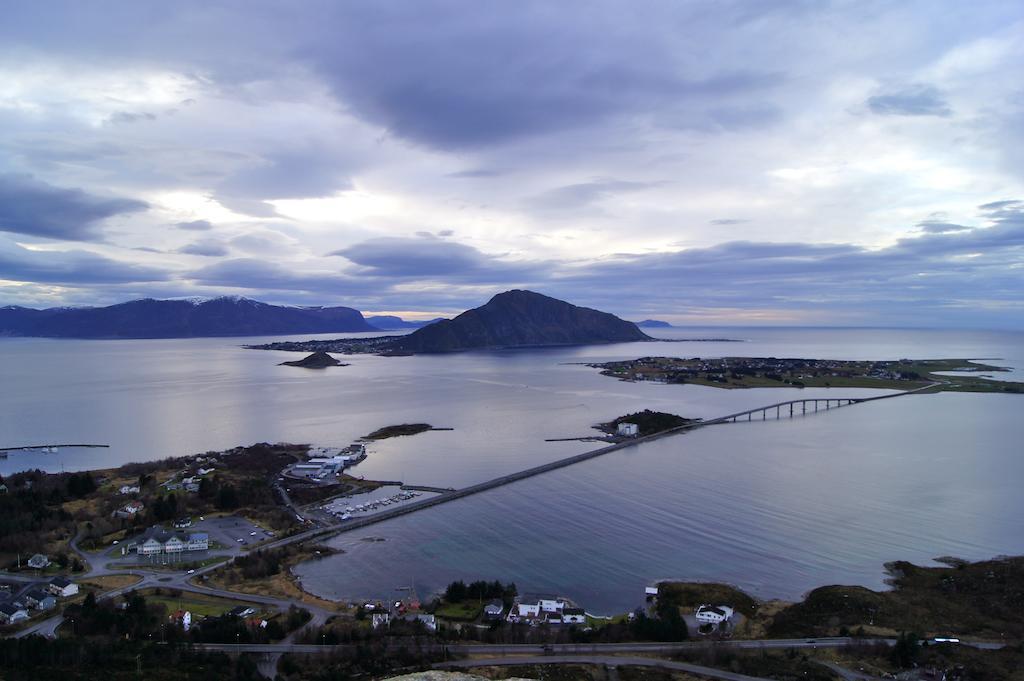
<point x="150" y="318"/>
<point x="521" y="319"/>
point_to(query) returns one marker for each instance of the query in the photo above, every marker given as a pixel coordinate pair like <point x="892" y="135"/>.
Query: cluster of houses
<point x="384" y="618"/>
<point x="157" y="540"/>
<point x="42" y="597"/>
<point x="407" y="609"/>
<point x="541" y="610"/>
<point x="183" y="618"/>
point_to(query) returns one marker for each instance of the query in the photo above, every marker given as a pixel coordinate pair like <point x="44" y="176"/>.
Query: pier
<point x="789" y="409"/>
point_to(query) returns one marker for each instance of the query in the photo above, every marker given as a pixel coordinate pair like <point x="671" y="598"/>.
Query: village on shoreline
<point x="203" y="547"/>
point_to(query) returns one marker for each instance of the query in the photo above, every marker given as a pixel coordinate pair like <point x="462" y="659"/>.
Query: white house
<point x="38" y="561"/>
<point x="129" y="489"/>
<point x="550" y="604"/>
<point x="714" y="614"/>
<point x="522" y="610"/>
<point x="380" y="619"/>
<point x="182" y="618"/>
<point x="129" y="510"/>
<point x="64" y="588"/>
<point x="11" y="613"/>
<point x="627" y="430"/>
<point x="573" y="616"/>
<point x="494" y="610"/>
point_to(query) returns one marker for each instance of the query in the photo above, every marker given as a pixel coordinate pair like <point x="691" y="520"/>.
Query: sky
<point x="726" y="162"/>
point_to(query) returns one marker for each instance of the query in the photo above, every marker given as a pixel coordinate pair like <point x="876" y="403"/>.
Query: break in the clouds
<point x="721" y="162"/>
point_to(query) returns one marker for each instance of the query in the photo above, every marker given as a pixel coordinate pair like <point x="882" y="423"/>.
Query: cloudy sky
<point x="848" y="163"/>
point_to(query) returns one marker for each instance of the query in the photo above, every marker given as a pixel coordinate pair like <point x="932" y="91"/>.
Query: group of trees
<point x="136" y="621"/>
<point x="649" y="422"/>
<point x="88" y="659"/>
<point x="30" y="512"/>
<point x="480" y="591"/>
<point x="264" y="563"/>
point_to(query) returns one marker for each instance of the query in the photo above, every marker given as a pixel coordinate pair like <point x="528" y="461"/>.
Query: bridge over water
<point x="789" y="409"/>
<point x="805" y="406"/>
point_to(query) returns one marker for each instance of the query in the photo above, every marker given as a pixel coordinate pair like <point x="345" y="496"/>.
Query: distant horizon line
<point x="414" y="316"/>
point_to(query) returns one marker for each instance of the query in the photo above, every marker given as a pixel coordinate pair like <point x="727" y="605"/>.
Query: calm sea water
<point x="776" y="507"/>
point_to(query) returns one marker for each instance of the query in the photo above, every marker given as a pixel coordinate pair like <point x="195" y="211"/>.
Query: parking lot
<point x="230" y="531"/>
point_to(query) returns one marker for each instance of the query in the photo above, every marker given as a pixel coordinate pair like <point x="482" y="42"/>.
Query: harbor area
<point x="325" y="464"/>
<point x="388" y="496"/>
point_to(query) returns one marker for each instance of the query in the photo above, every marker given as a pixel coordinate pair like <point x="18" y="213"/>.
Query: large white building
<point x="157" y="540"/>
<point x="628" y="430"/>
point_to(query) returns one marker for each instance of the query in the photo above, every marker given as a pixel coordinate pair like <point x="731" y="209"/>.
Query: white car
<point x="252" y="534"/>
<point x="240" y="540"/>
<point x="190" y="572"/>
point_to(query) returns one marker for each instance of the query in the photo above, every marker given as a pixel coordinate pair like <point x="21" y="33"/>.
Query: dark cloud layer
<point x="70" y="268"/>
<point x="480" y="77"/>
<point x="429" y="257"/>
<point x="32" y="207"/>
<point x="915" y="100"/>
<point x="195" y="225"/>
<point x="207" y="247"/>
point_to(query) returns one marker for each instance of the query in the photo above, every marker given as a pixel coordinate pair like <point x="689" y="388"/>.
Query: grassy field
<point x="277" y="586"/>
<point x="281" y="584"/>
<point x="689" y="595"/>
<point x="200" y="605"/>
<point x="466" y="611"/>
<point x="110" y="582"/>
<point x="173" y="567"/>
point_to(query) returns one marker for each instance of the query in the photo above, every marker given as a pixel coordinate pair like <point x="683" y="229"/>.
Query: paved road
<point x="557" y="648"/>
<point x="580" y="648"/>
<point x="608" y="661"/>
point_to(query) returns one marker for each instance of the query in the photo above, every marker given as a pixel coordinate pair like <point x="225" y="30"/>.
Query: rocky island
<point x="522" y="319"/>
<point x="400" y="430"/>
<point x="318" y="360"/>
<point x="513" y="319"/>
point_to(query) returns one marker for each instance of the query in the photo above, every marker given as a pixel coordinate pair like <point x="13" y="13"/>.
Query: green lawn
<point x="465" y="611"/>
<point x="200" y="605"/>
